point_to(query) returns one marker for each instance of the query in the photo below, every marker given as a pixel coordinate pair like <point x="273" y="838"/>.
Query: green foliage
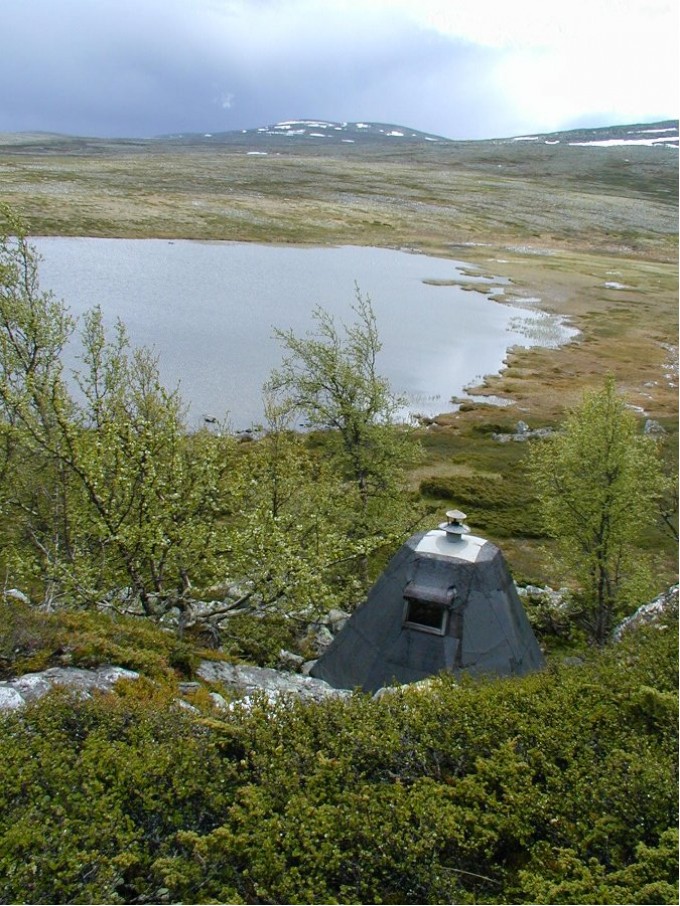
<point x="559" y="876"/>
<point x="553" y="625"/>
<point x="259" y="638"/>
<point x="292" y="541"/>
<point x="32" y="640"/>
<point x="109" y="491"/>
<point x="106" y="492"/>
<point x="330" y="377"/>
<point x="108" y="782"/>
<point x="599" y="483"/>
<point x="559" y="787"/>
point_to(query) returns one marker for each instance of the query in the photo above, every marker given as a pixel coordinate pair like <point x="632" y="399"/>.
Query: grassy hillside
<point x="586" y="232"/>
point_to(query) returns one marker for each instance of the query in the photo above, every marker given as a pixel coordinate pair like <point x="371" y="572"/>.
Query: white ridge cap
<point x="438" y="542"/>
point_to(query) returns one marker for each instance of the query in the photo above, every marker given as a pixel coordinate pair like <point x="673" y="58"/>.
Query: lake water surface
<point x="209" y="310"/>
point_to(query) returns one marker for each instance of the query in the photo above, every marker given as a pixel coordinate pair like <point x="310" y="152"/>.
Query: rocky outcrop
<point x="652" y="613"/>
<point x="240" y="682"/>
<point x="31" y="686"/>
<point x="523" y="432"/>
<point x="554" y="598"/>
<point x="246" y="682"/>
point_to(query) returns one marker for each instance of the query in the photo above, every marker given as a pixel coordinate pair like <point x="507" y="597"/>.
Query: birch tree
<point x="599" y="481"/>
<point x="330" y="377"/>
<point x="106" y="488"/>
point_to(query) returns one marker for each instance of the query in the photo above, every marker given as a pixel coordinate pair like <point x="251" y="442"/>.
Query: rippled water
<point x="209" y="310"/>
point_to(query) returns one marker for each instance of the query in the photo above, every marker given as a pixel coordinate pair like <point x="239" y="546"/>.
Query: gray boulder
<point x="32" y="686"/>
<point x="219" y="701"/>
<point x="10" y="699"/>
<point x="16" y="595"/>
<point x="336" y="619"/>
<point x="319" y="637"/>
<point x="290" y="661"/>
<point x="653" y="427"/>
<point x="650" y="613"/>
<point x="248" y="681"/>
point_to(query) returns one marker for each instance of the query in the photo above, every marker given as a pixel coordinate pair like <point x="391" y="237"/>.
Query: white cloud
<point x="547" y="64"/>
<point x="528" y="23"/>
<point x="624" y="66"/>
<point x="559" y="64"/>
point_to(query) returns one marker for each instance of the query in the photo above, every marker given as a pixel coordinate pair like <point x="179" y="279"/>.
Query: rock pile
<point x="522" y="432"/>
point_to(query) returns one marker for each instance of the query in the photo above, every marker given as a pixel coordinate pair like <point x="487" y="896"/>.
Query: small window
<point x="426" y="616"/>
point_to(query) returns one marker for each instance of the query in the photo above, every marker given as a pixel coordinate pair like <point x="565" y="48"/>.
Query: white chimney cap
<point x="454" y="527"/>
<point x="455" y="515"/>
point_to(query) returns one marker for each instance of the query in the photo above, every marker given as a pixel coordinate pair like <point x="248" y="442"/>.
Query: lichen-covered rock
<point x="16" y="595"/>
<point x="290" y="661"/>
<point x="10" y="699"/>
<point x="248" y="681"/>
<point x="319" y="637"/>
<point x="32" y="686"/>
<point x="556" y="597"/>
<point x="219" y="701"/>
<point x="336" y="619"/>
<point x="665" y="603"/>
<point x="653" y="427"/>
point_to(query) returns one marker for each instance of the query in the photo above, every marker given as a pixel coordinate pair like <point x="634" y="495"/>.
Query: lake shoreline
<point x="424" y="358"/>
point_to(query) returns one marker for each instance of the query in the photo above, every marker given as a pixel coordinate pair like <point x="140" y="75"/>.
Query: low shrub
<point x="32" y="640"/>
<point x="558" y="787"/>
<point x="258" y="638"/>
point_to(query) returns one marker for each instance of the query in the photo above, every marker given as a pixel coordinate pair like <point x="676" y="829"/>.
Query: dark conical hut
<point x="446" y="601"/>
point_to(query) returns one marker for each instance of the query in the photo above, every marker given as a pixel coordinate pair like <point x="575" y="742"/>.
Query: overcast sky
<point x="459" y="68"/>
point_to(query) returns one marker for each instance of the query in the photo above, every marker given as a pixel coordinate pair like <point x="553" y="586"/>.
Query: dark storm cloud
<point x="103" y="68"/>
<point x="461" y="68"/>
<point x="131" y="68"/>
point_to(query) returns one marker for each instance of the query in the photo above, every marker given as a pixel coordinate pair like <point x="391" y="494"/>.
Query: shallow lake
<point x="209" y="311"/>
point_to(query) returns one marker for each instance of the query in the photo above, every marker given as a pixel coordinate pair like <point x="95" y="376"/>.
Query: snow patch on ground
<point x="611" y="142"/>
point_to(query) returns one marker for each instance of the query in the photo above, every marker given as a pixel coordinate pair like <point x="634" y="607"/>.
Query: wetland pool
<point x="209" y="309"/>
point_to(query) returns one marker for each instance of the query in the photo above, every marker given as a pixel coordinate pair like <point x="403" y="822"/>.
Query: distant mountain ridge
<point x="316" y="130"/>
<point x="651" y="134"/>
<point x="339" y="138"/>
<point x="664" y="133"/>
